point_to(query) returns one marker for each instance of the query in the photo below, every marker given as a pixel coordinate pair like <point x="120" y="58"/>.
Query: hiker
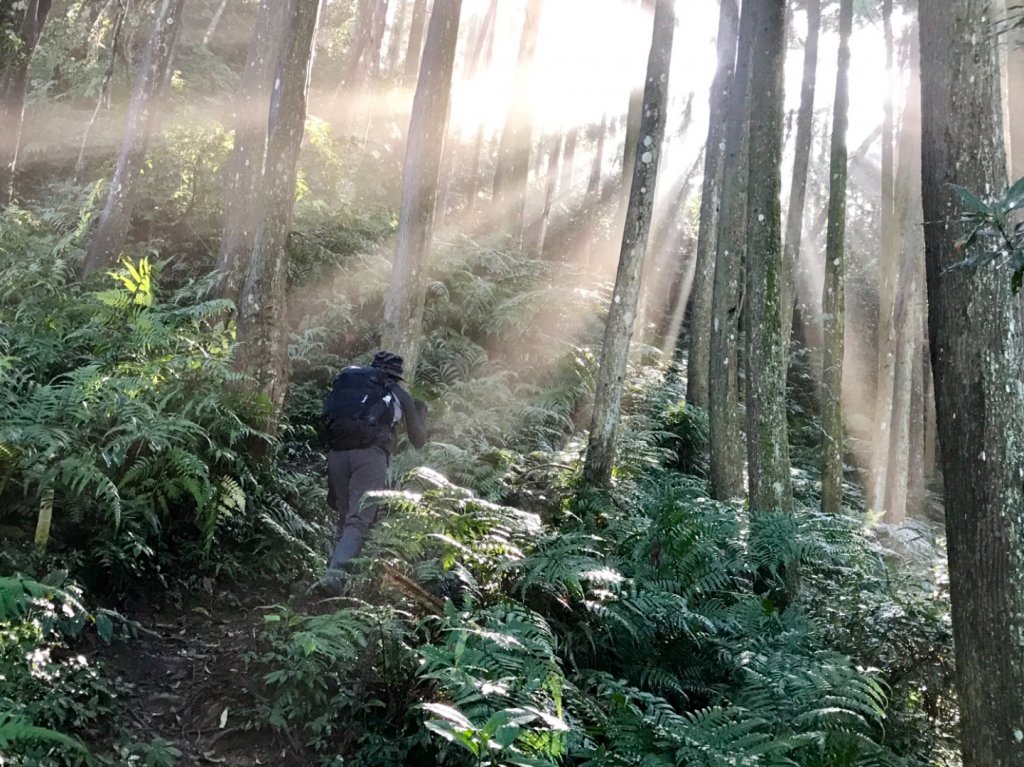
<point x="359" y="417"/>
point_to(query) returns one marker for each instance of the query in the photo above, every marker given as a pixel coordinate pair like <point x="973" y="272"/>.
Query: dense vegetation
<point x="161" y="505"/>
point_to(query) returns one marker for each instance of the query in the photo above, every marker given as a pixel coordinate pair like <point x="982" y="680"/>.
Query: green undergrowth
<point x="636" y="626"/>
<point x="559" y="623"/>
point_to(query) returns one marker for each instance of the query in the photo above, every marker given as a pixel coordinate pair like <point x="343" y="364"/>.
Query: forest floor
<point x="187" y="679"/>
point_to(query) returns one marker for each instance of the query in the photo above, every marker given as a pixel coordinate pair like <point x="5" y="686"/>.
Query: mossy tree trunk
<point x="727" y="446"/>
<point x="262" y="350"/>
<point x="710" y="202"/>
<point x="26" y="29"/>
<point x="115" y="220"/>
<point x="403" y="307"/>
<point x="833" y="300"/>
<point x="977" y="357"/>
<point x="767" y="441"/>
<point x="625" y="297"/>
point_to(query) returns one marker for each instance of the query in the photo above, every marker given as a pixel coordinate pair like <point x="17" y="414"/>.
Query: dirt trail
<point x="186" y="669"/>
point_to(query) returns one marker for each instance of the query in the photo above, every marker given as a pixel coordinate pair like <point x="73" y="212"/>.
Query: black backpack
<point x="360" y="410"/>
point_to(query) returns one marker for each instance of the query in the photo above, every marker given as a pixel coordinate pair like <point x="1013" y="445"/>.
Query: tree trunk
<point x="403" y="308"/>
<point x="104" y="94"/>
<point x="698" y="363"/>
<point x="977" y="356"/>
<point x="834" y="297"/>
<point x="568" y="163"/>
<point x="211" y="30"/>
<point x="801" y="163"/>
<point x="244" y="173"/>
<point x="413" y="52"/>
<point x="262" y="351"/>
<point x="727" y="445"/>
<point x="514" y="152"/>
<point x="395" y="40"/>
<point x="1013" y="44"/>
<point x="14" y="88"/>
<point x="619" y="328"/>
<point x="115" y="220"/>
<point x="906" y="318"/>
<point x="636" y="98"/>
<point x="767" y="441"/>
<point x="594" y="182"/>
<point x="887" y="271"/>
<point x="554" y="154"/>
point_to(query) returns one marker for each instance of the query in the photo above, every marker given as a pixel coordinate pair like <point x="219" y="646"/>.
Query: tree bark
<point x="514" y="152"/>
<point x="244" y="173"/>
<point x="594" y="182"/>
<point x="104" y="95"/>
<point x="907" y="309"/>
<point x="13" y="90"/>
<point x="115" y="220"/>
<point x="262" y="350"/>
<point x="211" y="30"/>
<point x="767" y="441"/>
<point x="834" y="296"/>
<point x="403" y="308"/>
<point x="977" y="356"/>
<point x="801" y="164"/>
<point x="699" y="360"/>
<point x="395" y="40"/>
<point x="413" y="52"/>
<point x="622" y="312"/>
<point x="551" y="187"/>
<point x="568" y="163"/>
<point x="726" y="427"/>
<point x="888" y="269"/>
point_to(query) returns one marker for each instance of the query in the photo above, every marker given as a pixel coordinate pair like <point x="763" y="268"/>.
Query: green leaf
<point x="1014" y="197"/>
<point x="971" y="200"/>
<point x="1017" y="280"/>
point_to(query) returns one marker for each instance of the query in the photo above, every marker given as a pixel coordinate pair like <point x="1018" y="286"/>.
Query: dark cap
<point x="389" y="363"/>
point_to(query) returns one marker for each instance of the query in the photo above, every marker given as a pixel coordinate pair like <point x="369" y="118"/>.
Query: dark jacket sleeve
<point x="415" y="419"/>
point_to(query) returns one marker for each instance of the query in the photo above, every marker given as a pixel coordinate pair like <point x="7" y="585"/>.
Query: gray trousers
<point x="350" y="473"/>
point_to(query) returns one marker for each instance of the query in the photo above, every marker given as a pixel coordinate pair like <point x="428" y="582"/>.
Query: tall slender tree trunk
<point x="727" y="445"/>
<point x="887" y="271"/>
<point x="262" y="350"/>
<point x="403" y="307"/>
<point x="244" y="173"/>
<point x="698" y="363"/>
<point x="1013" y="45"/>
<point x="594" y="181"/>
<point x="801" y="164"/>
<point x="551" y="187"/>
<point x="834" y="296"/>
<point x="211" y="29"/>
<point x="622" y="312"/>
<point x="977" y="356"/>
<point x="413" y="51"/>
<point x="767" y="441"/>
<point x="104" y="94"/>
<point x="115" y="220"/>
<point x="907" y="307"/>
<point x="395" y="40"/>
<point x="568" y="162"/>
<point x="514" y="152"/>
<point x="13" y="90"/>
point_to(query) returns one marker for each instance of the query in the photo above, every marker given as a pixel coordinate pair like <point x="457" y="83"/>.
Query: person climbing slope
<point x="358" y="420"/>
